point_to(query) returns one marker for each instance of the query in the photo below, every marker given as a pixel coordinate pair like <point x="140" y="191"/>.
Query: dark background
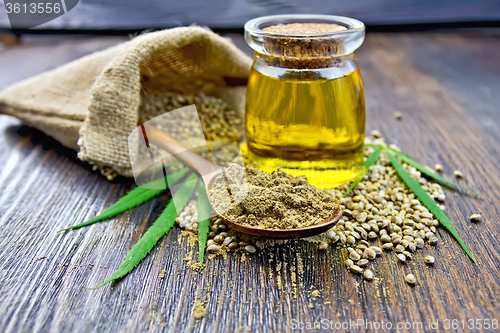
<point x="131" y="15"/>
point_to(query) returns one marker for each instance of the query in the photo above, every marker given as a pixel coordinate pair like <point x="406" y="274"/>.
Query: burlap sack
<point x="91" y="104"/>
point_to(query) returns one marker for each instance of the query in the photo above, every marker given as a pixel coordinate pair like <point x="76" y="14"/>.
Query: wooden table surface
<point x="445" y="83"/>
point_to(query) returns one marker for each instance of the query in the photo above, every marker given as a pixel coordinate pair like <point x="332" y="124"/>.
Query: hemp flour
<point x="274" y="200"/>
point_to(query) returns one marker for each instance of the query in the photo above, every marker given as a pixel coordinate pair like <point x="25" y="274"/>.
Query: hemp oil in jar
<point x="305" y="109"/>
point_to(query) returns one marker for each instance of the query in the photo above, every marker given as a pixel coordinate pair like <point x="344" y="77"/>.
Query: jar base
<point x="324" y="174"/>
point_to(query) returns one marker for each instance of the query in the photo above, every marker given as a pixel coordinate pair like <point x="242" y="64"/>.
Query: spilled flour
<point x="199" y="311"/>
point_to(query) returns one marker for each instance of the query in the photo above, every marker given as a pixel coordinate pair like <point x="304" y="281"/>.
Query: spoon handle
<point x="192" y="160"/>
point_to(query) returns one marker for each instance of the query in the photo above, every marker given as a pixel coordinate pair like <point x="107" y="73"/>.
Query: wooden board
<point x="444" y="83"/>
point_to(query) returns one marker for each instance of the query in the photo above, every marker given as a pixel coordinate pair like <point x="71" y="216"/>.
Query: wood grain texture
<point x="444" y="83"/>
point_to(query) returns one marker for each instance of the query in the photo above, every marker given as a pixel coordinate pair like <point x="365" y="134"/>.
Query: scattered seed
<point x="362" y="263"/>
<point x="212" y="248"/>
<point x="433" y="241"/>
<point x="385" y="239"/>
<point x="361" y="247"/>
<point x="356" y="269"/>
<point x="219" y="239"/>
<point x="363" y="242"/>
<point x="380" y="207"/>
<point x="227" y="241"/>
<point x="323" y="246"/>
<point x="368" y="274"/>
<point x="429" y="235"/>
<point x="408" y="255"/>
<point x="429" y="260"/>
<point x="387" y="246"/>
<point x="354" y="256"/>
<point x="419" y="243"/>
<point x="398" y="115"/>
<point x="475" y="217"/>
<point x="250" y="249"/>
<point x="375" y="134"/>
<point x="410" y="279"/>
<point x="438" y="167"/>
<point x="343" y="239"/>
<point x="362" y="217"/>
<point x="458" y="174"/>
<point x="371" y="254"/>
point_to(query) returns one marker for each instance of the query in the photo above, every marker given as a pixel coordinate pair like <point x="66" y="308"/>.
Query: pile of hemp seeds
<point x="380" y="215"/>
<point x="218" y="120"/>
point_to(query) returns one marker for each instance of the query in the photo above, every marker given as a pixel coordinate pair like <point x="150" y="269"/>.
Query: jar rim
<point x="352" y="25"/>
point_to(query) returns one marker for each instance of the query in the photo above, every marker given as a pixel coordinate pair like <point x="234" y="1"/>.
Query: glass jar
<point x="305" y="109"/>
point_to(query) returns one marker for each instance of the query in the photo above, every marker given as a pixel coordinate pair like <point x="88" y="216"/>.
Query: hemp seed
<point x="410" y="279"/>
<point x="354" y="256"/>
<point x="368" y="275"/>
<point x="370" y="254"/>
<point x="475" y="217"/>
<point x="387" y="246"/>
<point x="408" y="255"/>
<point x="356" y="269"/>
<point x="429" y="260"/>
<point x="212" y="248"/>
<point x="433" y="241"/>
<point x="250" y="249"/>
<point x="362" y="263"/>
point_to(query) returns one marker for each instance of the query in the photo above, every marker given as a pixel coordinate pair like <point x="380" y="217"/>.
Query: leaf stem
<point x="204" y="210"/>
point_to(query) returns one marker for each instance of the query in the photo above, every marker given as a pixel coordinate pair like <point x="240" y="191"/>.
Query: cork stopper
<point x="305" y="28"/>
<point x="303" y="52"/>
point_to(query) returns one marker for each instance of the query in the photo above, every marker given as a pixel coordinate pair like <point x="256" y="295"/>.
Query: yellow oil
<point x="307" y="125"/>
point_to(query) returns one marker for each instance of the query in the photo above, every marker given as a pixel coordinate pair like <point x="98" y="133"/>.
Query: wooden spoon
<point x="209" y="173"/>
